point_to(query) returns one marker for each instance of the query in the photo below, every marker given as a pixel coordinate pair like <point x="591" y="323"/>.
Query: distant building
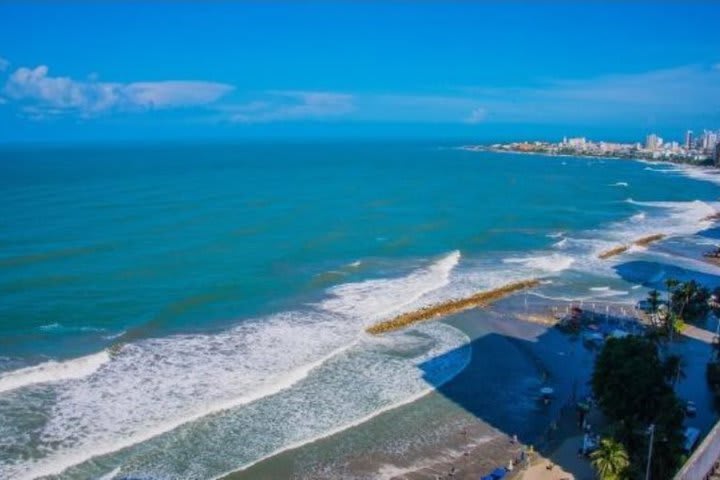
<point x="576" y="142"/>
<point x="653" y="142"/>
<point x="689" y="140"/>
<point x="710" y="139"/>
<point x="716" y="155"/>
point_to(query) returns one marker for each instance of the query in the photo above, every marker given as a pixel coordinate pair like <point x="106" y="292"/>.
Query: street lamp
<point x="651" y="431"/>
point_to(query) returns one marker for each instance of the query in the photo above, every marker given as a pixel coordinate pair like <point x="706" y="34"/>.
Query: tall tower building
<point x="689" y="139"/>
<point x="652" y="142"/>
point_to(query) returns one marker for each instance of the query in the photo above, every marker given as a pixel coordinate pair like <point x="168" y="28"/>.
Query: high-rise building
<point x="716" y="155"/>
<point x="711" y="139"/>
<point x="652" y="142"/>
<point x="689" y="140"/>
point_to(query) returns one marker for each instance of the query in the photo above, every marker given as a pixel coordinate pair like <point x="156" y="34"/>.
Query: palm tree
<point x="674" y="367"/>
<point x="670" y="283"/>
<point x="654" y="302"/>
<point x="610" y="459"/>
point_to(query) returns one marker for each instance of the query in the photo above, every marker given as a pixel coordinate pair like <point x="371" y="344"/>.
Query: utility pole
<point x="651" y="431"/>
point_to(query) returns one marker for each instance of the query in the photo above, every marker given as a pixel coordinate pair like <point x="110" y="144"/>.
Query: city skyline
<point x="701" y="150"/>
<point x="240" y="70"/>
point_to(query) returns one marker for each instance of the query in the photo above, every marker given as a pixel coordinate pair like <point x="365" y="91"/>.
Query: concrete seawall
<point x="701" y="463"/>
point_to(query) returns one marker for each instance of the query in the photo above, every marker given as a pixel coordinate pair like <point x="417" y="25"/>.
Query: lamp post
<point x="651" y="431"/>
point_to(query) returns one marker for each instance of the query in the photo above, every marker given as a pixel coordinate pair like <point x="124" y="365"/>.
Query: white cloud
<point x="685" y="92"/>
<point x="4" y="64"/>
<point x="62" y="95"/>
<point x="476" y="116"/>
<point x="292" y="105"/>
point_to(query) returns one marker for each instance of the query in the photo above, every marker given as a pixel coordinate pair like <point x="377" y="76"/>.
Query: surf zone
<point x="480" y="299"/>
<point x="640" y="242"/>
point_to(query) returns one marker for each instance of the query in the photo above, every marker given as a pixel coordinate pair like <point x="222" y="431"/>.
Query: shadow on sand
<point x="513" y="360"/>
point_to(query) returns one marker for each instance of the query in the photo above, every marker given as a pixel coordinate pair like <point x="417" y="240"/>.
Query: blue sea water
<point x="150" y="293"/>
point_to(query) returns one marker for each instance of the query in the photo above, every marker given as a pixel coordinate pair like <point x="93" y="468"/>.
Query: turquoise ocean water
<point x="151" y="294"/>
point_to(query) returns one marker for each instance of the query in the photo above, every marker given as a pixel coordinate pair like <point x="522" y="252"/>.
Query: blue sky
<point x="228" y="70"/>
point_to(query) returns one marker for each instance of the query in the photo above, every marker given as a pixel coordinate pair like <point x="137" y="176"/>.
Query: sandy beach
<point x="480" y="420"/>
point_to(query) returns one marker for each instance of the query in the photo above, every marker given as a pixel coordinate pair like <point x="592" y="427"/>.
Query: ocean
<point x="186" y="310"/>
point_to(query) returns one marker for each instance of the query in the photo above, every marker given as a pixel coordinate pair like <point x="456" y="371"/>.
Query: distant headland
<point x="701" y="150"/>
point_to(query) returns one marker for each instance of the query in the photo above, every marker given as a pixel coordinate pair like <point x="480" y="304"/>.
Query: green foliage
<point x="653" y="300"/>
<point x="611" y="460"/>
<point x="690" y="300"/>
<point x="633" y="389"/>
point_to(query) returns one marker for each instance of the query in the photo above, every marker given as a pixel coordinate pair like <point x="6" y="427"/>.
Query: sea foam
<point x="53" y="371"/>
<point x="154" y="386"/>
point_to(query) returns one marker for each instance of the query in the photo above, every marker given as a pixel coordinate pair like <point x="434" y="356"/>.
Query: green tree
<point x="654" y="302"/>
<point x="691" y="301"/>
<point x="632" y="389"/>
<point x="611" y="460"/>
<point x="671" y="284"/>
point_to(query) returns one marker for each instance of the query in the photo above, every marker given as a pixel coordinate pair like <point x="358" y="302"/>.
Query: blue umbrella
<point x="498" y="473"/>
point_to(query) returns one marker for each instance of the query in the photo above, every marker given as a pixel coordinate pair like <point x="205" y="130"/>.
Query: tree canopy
<point x="633" y="389"/>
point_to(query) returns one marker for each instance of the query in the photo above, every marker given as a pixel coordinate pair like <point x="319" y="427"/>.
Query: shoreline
<point x="479" y="445"/>
<point x="480" y="148"/>
<point x="483" y="148"/>
<point x="469" y="451"/>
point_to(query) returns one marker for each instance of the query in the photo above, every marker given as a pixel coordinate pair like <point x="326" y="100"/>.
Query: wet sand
<point x="464" y="429"/>
<point x="465" y="426"/>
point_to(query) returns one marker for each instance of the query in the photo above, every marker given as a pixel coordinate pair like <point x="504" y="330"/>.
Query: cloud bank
<point x="681" y="95"/>
<point x="40" y="94"/>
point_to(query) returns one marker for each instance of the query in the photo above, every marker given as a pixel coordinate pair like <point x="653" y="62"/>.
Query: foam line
<point x="61" y="461"/>
<point x="53" y="371"/>
<point x="353" y="423"/>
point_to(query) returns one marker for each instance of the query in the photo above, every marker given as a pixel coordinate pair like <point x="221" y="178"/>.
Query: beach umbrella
<point x="498" y="473"/>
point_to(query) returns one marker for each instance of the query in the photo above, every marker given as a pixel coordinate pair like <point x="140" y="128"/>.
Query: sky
<point x="230" y="70"/>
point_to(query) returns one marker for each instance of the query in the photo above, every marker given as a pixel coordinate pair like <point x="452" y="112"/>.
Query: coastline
<point x="471" y="444"/>
<point x="480" y="148"/>
<point x="483" y="148"/>
<point x="506" y="321"/>
<point x="477" y="438"/>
